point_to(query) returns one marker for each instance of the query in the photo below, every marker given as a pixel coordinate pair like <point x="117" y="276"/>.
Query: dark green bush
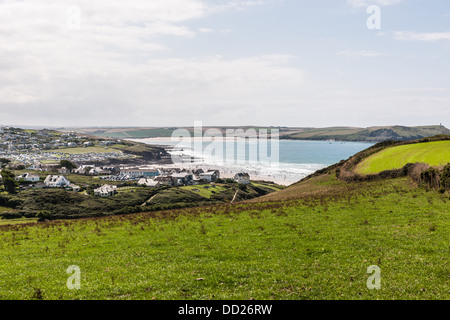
<point x="445" y="178"/>
<point x="11" y="215"/>
<point x="430" y="178"/>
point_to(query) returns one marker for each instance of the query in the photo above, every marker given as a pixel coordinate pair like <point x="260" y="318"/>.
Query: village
<point x="30" y="146"/>
<point x="38" y="156"/>
<point x="170" y="177"/>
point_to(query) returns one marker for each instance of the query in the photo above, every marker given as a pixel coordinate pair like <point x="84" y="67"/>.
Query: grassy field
<point x="86" y="150"/>
<point x="205" y="190"/>
<point x="17" y="221"/>
<point x="268" y="185"/>
<point x="130" y="132"/>
<point x="315" y="244"/>
<point x="3" y="209"/>
<point x="371" y="134"/>
<point x="433" y="153"/>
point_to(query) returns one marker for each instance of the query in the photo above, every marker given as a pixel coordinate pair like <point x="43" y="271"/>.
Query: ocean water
<point x="293" y="159"/>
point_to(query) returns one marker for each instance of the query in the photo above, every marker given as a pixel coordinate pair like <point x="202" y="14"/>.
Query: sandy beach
<point x="229" y="172"/>
<point x="281" y="173"/>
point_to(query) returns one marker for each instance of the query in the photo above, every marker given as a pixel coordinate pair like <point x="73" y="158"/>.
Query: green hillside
<point x="433" y="153"/>
<point x="314" y="240"/>
<point x="372" y="134"/>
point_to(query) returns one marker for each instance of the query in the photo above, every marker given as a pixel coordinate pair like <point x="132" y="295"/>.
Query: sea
<point x="292" y="161"/>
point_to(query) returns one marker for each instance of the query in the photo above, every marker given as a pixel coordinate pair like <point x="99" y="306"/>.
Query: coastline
<point x="283" y="173"/>
<point x="230" y="171"/>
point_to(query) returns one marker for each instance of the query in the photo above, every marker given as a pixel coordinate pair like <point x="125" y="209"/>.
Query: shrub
<point x="11" y="215"/>
<point x="44" y="215"/>
<point x="430" y="178"/>
<point x="27" y="214"/>
<point x="445" y="178"/>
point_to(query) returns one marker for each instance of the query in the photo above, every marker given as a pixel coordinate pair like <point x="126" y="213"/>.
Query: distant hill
<point x="371" y="134"/>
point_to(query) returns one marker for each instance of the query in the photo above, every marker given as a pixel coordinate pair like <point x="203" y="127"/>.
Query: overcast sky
<point x="308" y="63"/>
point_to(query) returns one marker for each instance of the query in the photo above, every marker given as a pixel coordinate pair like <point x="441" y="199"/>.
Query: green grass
<point x="433" y="153"/>
<point x="86" y="150"/>
<point x="316" y="246"/>
<point x="267" y="185"/>
<point x="205" y="190"/>
<point x="371" y="134"/>
<point x="17" y="221"/>
<point x="134" y="133"/>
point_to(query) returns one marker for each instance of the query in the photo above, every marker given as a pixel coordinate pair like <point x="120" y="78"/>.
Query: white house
<point x="73" y="187"/>
<point x="55" y="181"/>
<point x="209" y="176"/>
<point x="35" y="166"/>
<point x="82" y="169"/>
<point x="106" y="191"/>
<point x="148" y="182"/>
<point x="165" y="180"/>
<point x="242" y="177"/>
<point x="63" y="170"/>
<point x="28" y="177"/>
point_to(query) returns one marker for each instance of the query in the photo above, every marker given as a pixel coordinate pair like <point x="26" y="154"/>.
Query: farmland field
<point x="315" y="245"/>
<point x="432" y="153"/>
<point x="86" y="150"/>
<point x="205" y="190"/>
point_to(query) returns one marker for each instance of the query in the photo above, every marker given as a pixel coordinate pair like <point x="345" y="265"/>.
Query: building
<point x="242" y="177"/>
<point x="73" y="187"/>
<point x="50" y="167"/>
<point x="165" y="180"/>
<point x="106" y="191"/>
<point x="55" y="181"/>
<point x="182" y="178"/>
<point x="149" y="182"/>
<point x="98" y="171"/>
<point x="140" y="173"/>
<point x="35" y="166"/>
<point x="28" y="177"/>
<point x="63" y="170"/>
<point x="210" y="176"/>
<point x="83" y="169"/>
<point x="198" y="171"/>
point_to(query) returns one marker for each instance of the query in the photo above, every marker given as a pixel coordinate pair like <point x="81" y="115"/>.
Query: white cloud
<point x="360" y="53"/>
<point x="108" y="64"/>
<point x="426" y="37"/>
<point x="366" y="3"/>
<point x="205" y="30"/>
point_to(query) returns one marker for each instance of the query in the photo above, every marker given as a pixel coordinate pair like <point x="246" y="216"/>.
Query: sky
<point x="297" y="63"/>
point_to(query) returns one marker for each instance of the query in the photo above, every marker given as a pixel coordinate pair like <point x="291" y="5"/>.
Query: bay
<point x="296" y="158"/>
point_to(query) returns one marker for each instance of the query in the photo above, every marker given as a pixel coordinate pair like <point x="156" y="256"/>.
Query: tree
<point x="68" y="165"/>
<point x="4" y="162"/>
<point x="9" y="181"/>
<point x="91" y="187"/>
